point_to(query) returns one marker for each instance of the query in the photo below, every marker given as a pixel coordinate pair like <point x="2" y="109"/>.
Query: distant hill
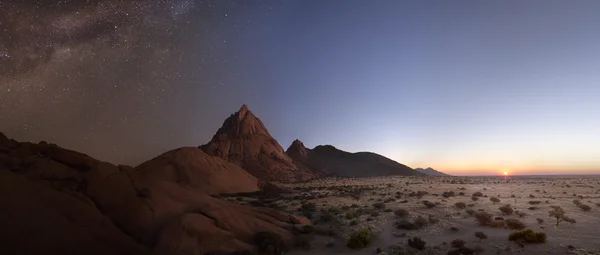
<point x="431" y="171"/>
<point x="328" y="160"/>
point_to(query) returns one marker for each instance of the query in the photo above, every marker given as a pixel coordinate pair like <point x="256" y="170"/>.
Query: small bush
<point x="515" y="224"/>
<point x="474" y="198"/>
<point x="481" y="235"/>
<point x="584" y="207"/>
<point x="483" y="217"/>
<point x="460" y="205"/>
<point x="506" y="209"/>
<point x="477" y="194"/>
<point x="528" y="236"/>
<point x="540" y="221"/>
<point x="270" y="243"/>
<point x="494" y="200"/>
<point x="401" y="212"/>
<point x="429" y="204"/>
<point x="351" y="215"/>
<point x="448" y="194"/>
<point x="379" y="205"/>
<point x="416" y="243"/>
<point x="458" y="243"/>
<point x="359" y="240"/>
<point x="470" y="211"/>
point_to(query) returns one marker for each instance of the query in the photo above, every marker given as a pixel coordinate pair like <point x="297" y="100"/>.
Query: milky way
<point x="114" y="79"/>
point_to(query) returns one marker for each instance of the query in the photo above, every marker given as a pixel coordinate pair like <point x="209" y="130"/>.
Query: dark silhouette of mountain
<point x="332" y="161"/>
<point x="245" y="141"/>
<point x="431" y="171"/>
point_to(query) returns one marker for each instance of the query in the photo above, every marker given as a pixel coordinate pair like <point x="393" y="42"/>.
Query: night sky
<point x="466" y="87"/>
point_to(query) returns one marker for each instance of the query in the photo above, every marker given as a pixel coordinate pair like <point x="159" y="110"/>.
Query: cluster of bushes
<point x="429" y="204"/>
<point x="360" y="239"/>
<point x="406" y="224"/>
<point x="514" y="224"/>
<point x="528" y="236"/>
<point x="506" y="209"/>
<point x="416" y="243"/>
<point x="582" y="206"/>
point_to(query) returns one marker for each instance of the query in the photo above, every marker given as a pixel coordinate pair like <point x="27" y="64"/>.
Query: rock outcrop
<point x="244" y="140"/>
<point x="431" y="171"/>
<point x="191" y="166"/>
<point x="57" y="201"/>
<point x="332" y="161"/>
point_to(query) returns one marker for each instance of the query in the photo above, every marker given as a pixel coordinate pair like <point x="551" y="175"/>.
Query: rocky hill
<point x="58" y="201"/>
<point x="245" y="141"/>
<point x="332" y="161"/>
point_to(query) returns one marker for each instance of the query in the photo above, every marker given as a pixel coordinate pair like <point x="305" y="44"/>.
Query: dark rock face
<point x="244" y="140"/>
<point x="332" y="161"/>
<point x="57" y="201"/>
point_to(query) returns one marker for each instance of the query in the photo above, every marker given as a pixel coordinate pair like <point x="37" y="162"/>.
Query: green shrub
<point x="460" y="205"/>
<point x="269" y="243"/>
<point x="528" y="236"/>
<point x="351" y="215"/>
<point x="416" y="243"/>
<point x="360" y="239"/>
<point x="494" y="200"/>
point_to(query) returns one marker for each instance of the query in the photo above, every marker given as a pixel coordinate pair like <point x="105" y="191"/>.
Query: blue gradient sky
<point x="465" y="87"/>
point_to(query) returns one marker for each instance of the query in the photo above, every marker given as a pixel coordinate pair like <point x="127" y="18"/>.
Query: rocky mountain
<point x="245" y="141"/>
<point x="58" y="201"/>
<point x="332" y="161"/>
<point x="431" y="171"/>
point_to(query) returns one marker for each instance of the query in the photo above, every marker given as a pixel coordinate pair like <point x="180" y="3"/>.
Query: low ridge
<point x="332" y="161"/>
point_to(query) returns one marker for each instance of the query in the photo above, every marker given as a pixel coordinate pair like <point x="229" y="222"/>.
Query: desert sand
<point x="530" y="198"/>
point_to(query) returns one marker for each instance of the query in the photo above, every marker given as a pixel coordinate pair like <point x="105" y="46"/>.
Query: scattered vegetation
<point x="406" y="224"/>
<point x="514" y="224"/>
<point x="483" y="218"/>
<point x="429" y="204"/>
<point x="495" y="200"/>
<point x="477" y="194"/>
<point x="417" y="243"/>
<point x="506" y="209"/>
<point x="360" y="239"/>
<point x="527" y="236"/>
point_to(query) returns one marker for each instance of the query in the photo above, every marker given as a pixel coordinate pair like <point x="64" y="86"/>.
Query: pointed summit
<point x="297" y="150"/>
<point x="245" y="141"/>
<point x="243" y="110"/>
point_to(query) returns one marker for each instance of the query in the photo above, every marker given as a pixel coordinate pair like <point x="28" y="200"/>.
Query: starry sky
<point x="466" y="87"/>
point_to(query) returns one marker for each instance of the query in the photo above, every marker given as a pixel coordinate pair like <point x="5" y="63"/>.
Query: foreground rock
<point x="57" y="201"/>
<point x="332" y="161"/>
<point x="191" y="166"/>
<point x="244" y="140"/>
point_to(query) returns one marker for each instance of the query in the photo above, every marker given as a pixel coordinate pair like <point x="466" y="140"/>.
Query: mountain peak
<point x="243" y="111"/>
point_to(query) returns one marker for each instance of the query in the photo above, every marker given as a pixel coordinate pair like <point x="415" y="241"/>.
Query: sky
<point x="465" y="87"/>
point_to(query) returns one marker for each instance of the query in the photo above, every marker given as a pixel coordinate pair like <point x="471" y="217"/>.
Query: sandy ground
<point x="335" y="197"/>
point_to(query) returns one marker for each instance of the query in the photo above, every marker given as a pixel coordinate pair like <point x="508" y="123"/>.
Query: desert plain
<point x="443" y="212"/>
